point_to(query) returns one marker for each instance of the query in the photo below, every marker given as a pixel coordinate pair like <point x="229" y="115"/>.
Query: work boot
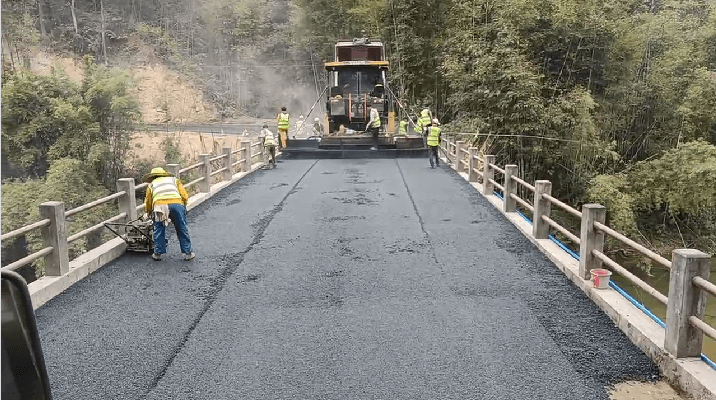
<point x="189" y="256"/>
<point x="157" y="257"/>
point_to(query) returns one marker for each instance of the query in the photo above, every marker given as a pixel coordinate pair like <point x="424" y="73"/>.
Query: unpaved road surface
<point x="338" y="279"/>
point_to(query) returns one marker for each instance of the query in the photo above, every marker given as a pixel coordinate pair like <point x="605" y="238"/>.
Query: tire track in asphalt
<point x="220" y="281"/>
<point x="420" y="219"/>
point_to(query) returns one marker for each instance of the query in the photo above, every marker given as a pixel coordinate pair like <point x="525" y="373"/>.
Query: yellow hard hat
<point x="157" y="172"/>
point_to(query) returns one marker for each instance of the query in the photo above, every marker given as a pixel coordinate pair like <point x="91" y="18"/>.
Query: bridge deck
<point x="341" y="279"/>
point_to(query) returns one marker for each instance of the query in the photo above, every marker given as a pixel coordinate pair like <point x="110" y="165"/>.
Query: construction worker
<point x="434" y="143"/>
<point x="269" y="145"/>
<point x="300" y="124"/>
<point x="317" y="127"/>
<point x="403" y="130"/>
<point x="283" y="124"/>
<point x="373" y="125"/>
<point x="166" y="198"/>
<point x="425" y="121"/>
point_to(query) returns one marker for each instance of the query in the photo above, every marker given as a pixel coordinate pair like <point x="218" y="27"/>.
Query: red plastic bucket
<point x="600" y="278"/>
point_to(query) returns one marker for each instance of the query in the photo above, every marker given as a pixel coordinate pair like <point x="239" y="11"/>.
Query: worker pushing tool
<point x="283" y="124"/>
<point x="269" y="143"/>
<point x="166" y="198"/>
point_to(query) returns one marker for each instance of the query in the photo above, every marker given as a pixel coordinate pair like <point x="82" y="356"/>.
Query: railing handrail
<point x="636" y="246"/>
<point x="523" y="183"/>
<point x="219" y="157"/>
<point x="28" y="259"/>
<point x="562" y="205"/>
<point x="631" y="277"/>
<point x="87" y="231"/>
<point x="194" y="182"/>
<point x="25" y="229"/>
<point x="93" y="204"/>
<point x="189" y="168"/>
<point x="705" y="285"/>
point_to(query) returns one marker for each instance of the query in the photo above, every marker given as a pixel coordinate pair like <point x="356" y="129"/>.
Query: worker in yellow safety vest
<point x="270" y="145"/>
<point x="283" y="124"/>
<point x="424" y="121"/>
<point x="434" y="143"/>
<point x="166" y="199"/>
<point x="403" y="130"/>
<point x="373" y="125"/>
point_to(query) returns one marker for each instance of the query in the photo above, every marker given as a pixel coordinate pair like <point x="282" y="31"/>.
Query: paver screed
<point x="340" y="279"/>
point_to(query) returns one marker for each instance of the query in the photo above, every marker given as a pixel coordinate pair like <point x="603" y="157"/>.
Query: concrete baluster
<point x="228" y="160"/>
<point x="488" y="189"/>
<point x="683" y="339"/>
<point x="458" y="155"/>
<point x="510" y="185"/>
<point x="205" y="171"/>
<point x="591" y="239"/>
<point x="128" y="202"/>
<point x="540" y="229"/>
<point x="174" y="170"/>
<point x="472" y="165"/>
<point x="57" y="263"/>
<point x="246" y="156"/>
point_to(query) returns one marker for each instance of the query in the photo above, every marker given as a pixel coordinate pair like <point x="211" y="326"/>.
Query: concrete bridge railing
<point x="689" y="268"/>
<point x="53" y="227"/>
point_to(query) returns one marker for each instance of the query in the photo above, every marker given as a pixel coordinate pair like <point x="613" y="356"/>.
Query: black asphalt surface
<point x="337" y="279"/>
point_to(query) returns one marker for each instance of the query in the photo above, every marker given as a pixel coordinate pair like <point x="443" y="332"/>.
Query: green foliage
<point x="611" y="191"/>
<point x="170" y="147"/>
<point x="68" y="181"/>
<point x="683" y="180"/>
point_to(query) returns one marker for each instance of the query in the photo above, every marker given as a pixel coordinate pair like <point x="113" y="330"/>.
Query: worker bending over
<point x="283" y="124"/>
<point x="166" y="198"/>
<point x="434" y="143"/>
<point x="269" y="145"/>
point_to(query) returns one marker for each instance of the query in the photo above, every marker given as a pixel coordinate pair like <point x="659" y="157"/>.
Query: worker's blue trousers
<point x="177" y="213"/>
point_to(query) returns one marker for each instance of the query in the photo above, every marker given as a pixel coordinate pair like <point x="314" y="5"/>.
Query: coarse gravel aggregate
<point x="337" y="279"/>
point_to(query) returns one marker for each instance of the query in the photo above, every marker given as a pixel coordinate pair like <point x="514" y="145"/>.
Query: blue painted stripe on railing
<point x="708" y="361"/>
<point x="637" y="304"/>
<point x="621" y="291"/>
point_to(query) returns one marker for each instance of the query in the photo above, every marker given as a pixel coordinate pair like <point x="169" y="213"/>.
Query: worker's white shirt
<point x="266" y="132"/>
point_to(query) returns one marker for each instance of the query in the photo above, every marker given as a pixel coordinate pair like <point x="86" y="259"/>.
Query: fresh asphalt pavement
<point x="337" y="279"/>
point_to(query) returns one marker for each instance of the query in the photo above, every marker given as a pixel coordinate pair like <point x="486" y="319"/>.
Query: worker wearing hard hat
<point x="166" y="198"/>
<point x="317" y="127"/>
<point x="269" y="145"/>
<point x="434" y="143"/>
<point x="283" y="124"/>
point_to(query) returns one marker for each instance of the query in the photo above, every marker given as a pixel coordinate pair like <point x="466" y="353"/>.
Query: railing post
<point x="472" y="165"/>
<point x="128" y="202"/>
<point x="488" y="173"/>
<point x="174" y="170"/>
<point x="458" y="155"/>
<point x="540" y="229"/>
<point x="57" y="263"/>
<point x="591" y="239"/>
<point x="205" y="171"/>
<point x="228" y="160"/>
<point x="682" y="339"/>
<point x="246" y="155"/>
<point x="509" y="204"/>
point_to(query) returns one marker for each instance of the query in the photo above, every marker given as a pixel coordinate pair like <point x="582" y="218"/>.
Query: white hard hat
<point x="435" y="121"/>
<point x="317" y="120"/>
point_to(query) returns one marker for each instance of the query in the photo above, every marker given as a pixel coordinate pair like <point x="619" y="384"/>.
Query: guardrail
<point x="689" y="285"/>
<point x="53" y="226"/>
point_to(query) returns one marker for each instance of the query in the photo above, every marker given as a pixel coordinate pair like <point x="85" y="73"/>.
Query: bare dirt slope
<point x="148" y="146"/>
<point x="164" y="95"/>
